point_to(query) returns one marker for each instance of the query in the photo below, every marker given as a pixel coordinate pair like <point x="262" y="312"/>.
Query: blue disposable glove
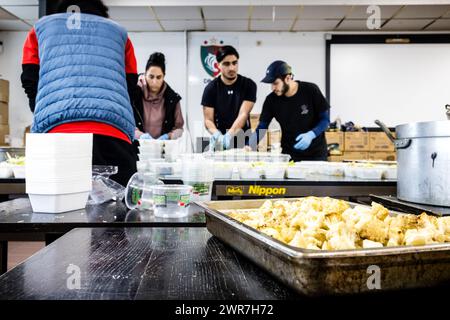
<point x="213" y="139"/>
<point x="164" y="137"/>
<point x="304" y="140"/>
<point x="227" y="141"/>
<point x="146" y="136"/>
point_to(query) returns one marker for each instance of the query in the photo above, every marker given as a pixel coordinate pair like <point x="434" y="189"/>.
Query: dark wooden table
<point x="163" y="264"/>
<point x="140" y="263"/>
<point x="18" y="222"/>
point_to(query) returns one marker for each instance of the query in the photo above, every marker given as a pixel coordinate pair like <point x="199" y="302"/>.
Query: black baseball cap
<point x="276" y="70"/>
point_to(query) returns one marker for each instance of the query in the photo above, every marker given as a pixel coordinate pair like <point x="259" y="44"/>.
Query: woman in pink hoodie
<point x="157" y="109"/>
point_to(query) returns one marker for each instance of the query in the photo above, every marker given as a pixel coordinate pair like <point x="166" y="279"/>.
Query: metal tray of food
<point x="320" y="272"/>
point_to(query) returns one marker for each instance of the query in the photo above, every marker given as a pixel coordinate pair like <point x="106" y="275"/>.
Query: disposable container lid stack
<point x="58" y="171"/>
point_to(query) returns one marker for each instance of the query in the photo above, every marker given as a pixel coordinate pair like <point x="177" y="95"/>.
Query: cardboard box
<point x="356" y="141"/>
<point x="4" y="134"/>
<point x="379" y="141"/>
<point x="355" y="155"/>
<point x="4" y="90"/>
<point x="336" y="158"/>
<point x="336" y="137"/>
<point x="4" y="113"/>
<point x="383" y="156"/>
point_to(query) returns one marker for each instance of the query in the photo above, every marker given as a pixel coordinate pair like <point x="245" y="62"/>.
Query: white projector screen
<point x="395" y="83"/>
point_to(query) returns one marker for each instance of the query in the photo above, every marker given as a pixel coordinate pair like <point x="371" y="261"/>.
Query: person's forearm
<point x="239" y="123"/>
<point x="177" y="130"/>
<point x="257" y="136"/>
<point x="322" y="125"/>
<point x="137" y="133"/>
<point x="30" y="79"/>
<point x="175" y="133"/>
<point x="132" y="79"/>
<point x="210" y="126"/>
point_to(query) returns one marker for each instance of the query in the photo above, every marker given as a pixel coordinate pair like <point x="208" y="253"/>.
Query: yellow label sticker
<point x="235" y="190"/>
<point x="266" y="191"/>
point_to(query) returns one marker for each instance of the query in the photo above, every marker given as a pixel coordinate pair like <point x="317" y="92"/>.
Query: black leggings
<point x="115" y="152"/>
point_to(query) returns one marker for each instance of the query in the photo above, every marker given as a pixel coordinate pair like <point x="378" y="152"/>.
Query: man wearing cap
<point x="302" y="111"/>
<point x="227" y="101"/>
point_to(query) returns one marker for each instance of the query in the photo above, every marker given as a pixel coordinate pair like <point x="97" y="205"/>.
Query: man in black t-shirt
<point x="302" y="111"/>
<point x="227" y="101"/>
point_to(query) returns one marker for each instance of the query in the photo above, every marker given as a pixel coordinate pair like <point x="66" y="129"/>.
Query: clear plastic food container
<point x="274" y="170"/>
<point x="295" y="172"/>
<point x="250" y="171"/>
<point x="223" y="170"/>
<point x="390" y="173"/>
<point x="171" y="201"/>
<point x="161" y="168"/>
<point x="138" y="194"/>
<point x="369" y="173"/>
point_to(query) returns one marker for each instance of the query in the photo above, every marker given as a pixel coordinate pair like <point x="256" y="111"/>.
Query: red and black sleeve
<point x="131" y="71"/>
<point x="30" y="68"/>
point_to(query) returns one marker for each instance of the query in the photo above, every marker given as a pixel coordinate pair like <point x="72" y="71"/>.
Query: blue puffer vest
<point x="82" y="74"/>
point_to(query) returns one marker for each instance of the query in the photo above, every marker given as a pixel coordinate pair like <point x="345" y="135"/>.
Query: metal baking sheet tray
<point x="319" y="272"/>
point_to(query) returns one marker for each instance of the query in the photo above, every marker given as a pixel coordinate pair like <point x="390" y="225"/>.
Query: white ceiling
<point x="21" y="15"/>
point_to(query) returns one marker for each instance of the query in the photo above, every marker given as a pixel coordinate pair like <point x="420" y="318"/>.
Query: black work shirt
<point x="298" y="114"/>
<point x="227" y="100"/>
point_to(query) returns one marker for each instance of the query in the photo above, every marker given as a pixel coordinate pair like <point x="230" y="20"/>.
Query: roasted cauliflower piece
<point x="331" y="224"/>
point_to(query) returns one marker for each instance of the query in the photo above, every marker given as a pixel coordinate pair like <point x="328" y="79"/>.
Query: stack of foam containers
<point x="58" y="171"/>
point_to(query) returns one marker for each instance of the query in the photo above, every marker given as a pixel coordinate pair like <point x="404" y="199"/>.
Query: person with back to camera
<point x="81" y="79"/>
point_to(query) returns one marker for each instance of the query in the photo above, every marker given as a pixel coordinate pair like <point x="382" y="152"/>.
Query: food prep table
<point x="18" y="222"/>
<point x="163" y="263"/>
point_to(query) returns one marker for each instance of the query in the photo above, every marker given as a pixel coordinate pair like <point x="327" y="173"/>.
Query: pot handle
<point x="385" y="130"/>
<point x="398" y="143"/>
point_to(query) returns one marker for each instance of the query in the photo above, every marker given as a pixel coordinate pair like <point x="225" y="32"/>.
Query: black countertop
<point x="140" y="263"/>
<point x="18" y="216"/>
<point x="18" y="222"/>
<point x="161" y="263"/>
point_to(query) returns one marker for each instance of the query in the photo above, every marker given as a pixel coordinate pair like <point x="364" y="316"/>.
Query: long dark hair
<point x="95" y="7"/>
<point x="157" y="59"/>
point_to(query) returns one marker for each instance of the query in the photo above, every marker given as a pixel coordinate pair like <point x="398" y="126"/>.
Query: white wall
<point x="392" y="82"/>
<point x="172" y="44"/>
<point x="20" y="115"/>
